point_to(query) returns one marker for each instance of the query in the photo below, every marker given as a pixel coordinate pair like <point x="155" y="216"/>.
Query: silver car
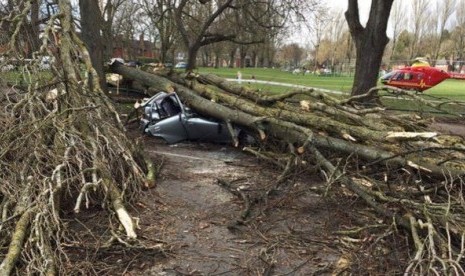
<point x="166" y="117"/>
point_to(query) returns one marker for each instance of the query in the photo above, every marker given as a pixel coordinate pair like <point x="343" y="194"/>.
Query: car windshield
<point x="164" y="104"/>
<point x="169" y="106"/>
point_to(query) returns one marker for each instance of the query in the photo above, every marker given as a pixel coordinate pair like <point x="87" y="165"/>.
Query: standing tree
<point x="96" y="31"/>
<point x="320" y="21"/>
<point x="206" y="22"/>
<point x="91" y="27"/>
<point x="370" y="42"/>
<point x="458" y="34"/>
<point x="398" y="22"/>
<point x="109" y="10"/>
<point x="443" y="12"/>
<point x="336" y="29"/>
<point x="126" y="26"/>
<point x="193" y="39"/>
<point x="161" y="16"/>
<point x="420" y="8"/>
<point x="292" y="54"/>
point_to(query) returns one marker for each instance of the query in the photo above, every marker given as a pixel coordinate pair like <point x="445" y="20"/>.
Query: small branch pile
<point x="404" y="172"/>
<point x="61" y="150"/>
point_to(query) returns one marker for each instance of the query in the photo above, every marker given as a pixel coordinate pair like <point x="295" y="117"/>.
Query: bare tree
<point x="161" y="15"/>
<point x="109" y="9"/>
<point x="267" y="52"/>
<point x="398" y="22"/>
<point x="196" y="34"/>
<point x="335" y="31"/>
<point x="319" y="23"/>
<point x="96" y="29"/>
<point x="126" y="27"/>
<point x="77" y="154"/>
<point x="203" y="22"/>
<point x="444" y="10"/>
<point x="370" y="42"/>
<point x="459" y="33"/>
<point x="292" y="54"/>
<point x="419" y="26"/>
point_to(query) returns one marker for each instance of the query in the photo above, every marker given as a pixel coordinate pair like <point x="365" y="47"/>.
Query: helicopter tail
<point x="457" y="76"/>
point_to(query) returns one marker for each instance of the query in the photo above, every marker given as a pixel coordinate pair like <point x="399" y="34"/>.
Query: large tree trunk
<point x="91" y="25"/>
<point x="370" y="42"/>
<point x="192" y="53"/>
<point x="34" y="35"/>
<point x="232" y="58"/>
<point x="166" y="45"/>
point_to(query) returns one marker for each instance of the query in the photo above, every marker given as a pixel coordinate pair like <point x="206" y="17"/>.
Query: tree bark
<point x="91" y="25"/>
<point x="192" y="57"/>
<point x="17" y="241"/>
<point x="370" y="42"/>
<point x="34" y="29"/>
<point x="232" y="55"/>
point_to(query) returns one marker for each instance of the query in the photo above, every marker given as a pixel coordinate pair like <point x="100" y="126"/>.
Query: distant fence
<point x="347" y="68"/>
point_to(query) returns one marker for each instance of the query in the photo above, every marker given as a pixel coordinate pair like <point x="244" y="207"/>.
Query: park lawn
<point x="451" y="89"/>
<point x="338" y="83"/>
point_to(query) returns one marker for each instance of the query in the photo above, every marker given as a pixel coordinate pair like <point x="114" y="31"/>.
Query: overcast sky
<point x="304" y="38"/>
<point x="363" y="6"/>
<point x="340" y="6"/>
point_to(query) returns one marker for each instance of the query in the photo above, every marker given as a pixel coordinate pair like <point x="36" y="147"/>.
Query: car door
<point x="171" y="129"/>
<point x="170" y="125"/>
<point x="201" y="128"/>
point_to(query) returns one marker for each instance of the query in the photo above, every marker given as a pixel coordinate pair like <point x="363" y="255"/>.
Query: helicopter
<point x="419" y="77"/>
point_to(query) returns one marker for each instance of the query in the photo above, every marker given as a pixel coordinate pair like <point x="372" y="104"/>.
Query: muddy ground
<point x="198" y="211"/>
<point x="202" y="220"/>
<point x="211" y="214"/>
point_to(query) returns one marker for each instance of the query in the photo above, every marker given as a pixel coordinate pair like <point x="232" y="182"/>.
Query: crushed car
<point x="166" y="117"/>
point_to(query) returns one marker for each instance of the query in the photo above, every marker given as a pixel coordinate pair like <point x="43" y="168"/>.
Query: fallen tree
<point x="406" y="173"/>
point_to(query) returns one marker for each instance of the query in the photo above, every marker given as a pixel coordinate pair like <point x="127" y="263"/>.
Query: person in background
<point x="239" y="77"/>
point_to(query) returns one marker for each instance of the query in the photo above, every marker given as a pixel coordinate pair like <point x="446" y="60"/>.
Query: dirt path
<point x="288" y="234"/>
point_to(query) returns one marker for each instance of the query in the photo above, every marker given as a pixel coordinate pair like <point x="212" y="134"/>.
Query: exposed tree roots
<point x="62" y="150"/>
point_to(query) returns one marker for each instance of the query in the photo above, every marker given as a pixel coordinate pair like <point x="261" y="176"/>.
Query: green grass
<point x="20" y="78"/>
<point x="453" y="89"/>
<point x="449" y="89"/>
<point x="339" y="83"/>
